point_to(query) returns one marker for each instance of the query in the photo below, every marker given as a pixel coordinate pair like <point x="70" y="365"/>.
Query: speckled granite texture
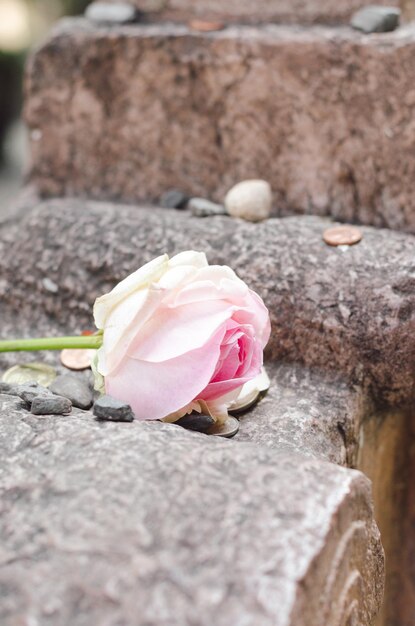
<point x="347" y="311"/>
<point x="150" y="524"/>
<point x="324" y="114"/>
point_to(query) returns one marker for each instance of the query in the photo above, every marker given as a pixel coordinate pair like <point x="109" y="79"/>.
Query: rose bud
<point x="180" y="335"/>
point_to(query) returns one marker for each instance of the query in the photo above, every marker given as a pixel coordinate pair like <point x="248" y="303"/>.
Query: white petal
<point x="189" y="257"/>
<point x="250" y="391"/>
<point x="172" y="332"/>
<point x="143" y="277"/>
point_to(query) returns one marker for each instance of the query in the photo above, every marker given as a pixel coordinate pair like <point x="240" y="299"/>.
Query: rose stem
<point x="52" y="343"/>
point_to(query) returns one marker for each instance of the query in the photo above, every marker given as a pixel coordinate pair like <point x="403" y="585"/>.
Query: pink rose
<point x="180" y="335"/>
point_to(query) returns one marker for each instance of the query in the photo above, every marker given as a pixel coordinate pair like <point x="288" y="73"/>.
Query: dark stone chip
<point x="200" y="423"/>
<point x="26" y="391"/>
<point x="51" y="405"/>
<point x="74" y="388"/>
<point x="108" y="408"/>
<point x="174" y="199"/>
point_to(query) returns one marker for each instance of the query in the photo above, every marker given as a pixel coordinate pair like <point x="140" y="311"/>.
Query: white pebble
<point x="251" y="200"/>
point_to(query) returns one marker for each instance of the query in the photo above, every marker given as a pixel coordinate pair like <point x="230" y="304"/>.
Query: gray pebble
<point x="75" y="389"/>
<point x="174" y="199"/>
<point x="105" y="13"/>
<point x="108" y="408"/>
<point x="205" y="208"/>
<point x="197" y="422"/>
<point x="49" y="285"/>
<point x="53" y="405"/>
<point x="376" y="19"/>
<point x="26" y="391"/>
<point x="14" y="389"/>
<point x="30" y="393"/>
<point x="8" y="389"/>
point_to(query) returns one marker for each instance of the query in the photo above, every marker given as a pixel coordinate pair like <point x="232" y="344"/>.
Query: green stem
<point x="92" y="342"/>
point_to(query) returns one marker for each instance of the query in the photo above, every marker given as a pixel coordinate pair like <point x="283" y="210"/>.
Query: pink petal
<point x="173" y="332"/>
<point x="154" y="390"/>
<point x="216" y="389"/>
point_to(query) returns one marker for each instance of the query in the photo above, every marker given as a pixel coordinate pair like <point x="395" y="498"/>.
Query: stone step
<point x="187" y="528"/>
<point x="350" y="311"/>
<point x="255" y="11"/>
<point x="311" y="411"/>
<point x="324" y="114"/>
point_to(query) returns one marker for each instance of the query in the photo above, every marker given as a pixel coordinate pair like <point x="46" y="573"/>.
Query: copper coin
<point x="206" y="27"/>
<point x="342" y="236"/>
<point x="77" y="359"/>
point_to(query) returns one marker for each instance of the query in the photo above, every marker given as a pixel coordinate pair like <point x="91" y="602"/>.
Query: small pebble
<point x="29" y="394"/>
<point x="105" y="13"/>
<point x="49" y="285"/>
<point x="8" y="389"/>
<point x="197" y="422"/>
<point x="200" y="207"/>
<point x="376" y="19"/>
<point x="26" y="391"/>
<point x="73" y="388"/>
<point x="174" y="199"/>
<point x="251" y="200"/>
<point x="108" y="408"/>
<point x="53" y="405"/>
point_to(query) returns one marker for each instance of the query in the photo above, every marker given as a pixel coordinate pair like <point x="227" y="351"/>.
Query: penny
<point x="206" y="27"/>
<point x="228" y="429"/>
<point x="342" y="236"/>
<point x="38" y="372"/>
<point x="77" y="359"/>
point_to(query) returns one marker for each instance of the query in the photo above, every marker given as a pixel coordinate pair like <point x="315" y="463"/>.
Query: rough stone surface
<point x="224" y="542"/>
<point x="376" y="19"/>
<point x="108" y="408"/>
<point x="255" y="11"/>
<point x="50" y="405"/>
<point x="75" y="389"/>
<point x="324" y="114"/>
<point x="311" y="411"/>
<point x="352" y="311"/>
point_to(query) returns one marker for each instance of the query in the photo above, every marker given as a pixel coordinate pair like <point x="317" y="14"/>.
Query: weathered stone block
<point x="177" y="529"/>
<point x="256" y="11"/>
<point x="324" y="114"/>
<point x="349" y="311"/>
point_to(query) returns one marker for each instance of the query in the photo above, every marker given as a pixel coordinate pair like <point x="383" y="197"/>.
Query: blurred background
<point x="23" y="23"/>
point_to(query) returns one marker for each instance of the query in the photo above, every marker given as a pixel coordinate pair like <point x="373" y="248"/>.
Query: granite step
<point x="273" y="533"/>
<point x="350" y="311"/>
<point x="177" y="529"/>
<point x="323" y="113"/>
